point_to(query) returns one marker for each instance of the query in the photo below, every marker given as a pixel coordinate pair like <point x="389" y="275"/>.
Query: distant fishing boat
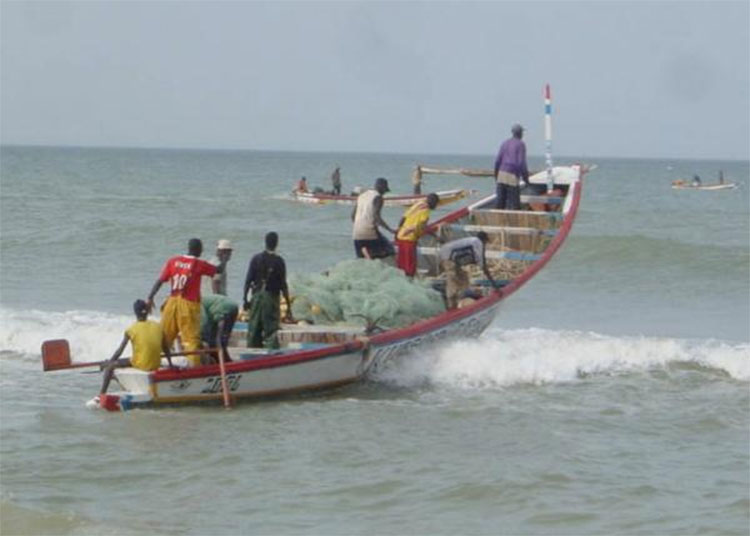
<point x="688" y="185"/>
<point x="696" y="184"/>
<point x="322" y="198"/>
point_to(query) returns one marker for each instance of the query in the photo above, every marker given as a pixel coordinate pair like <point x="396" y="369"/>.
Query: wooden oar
<point x="224" y="386"/>
<point x="56" y="356"/>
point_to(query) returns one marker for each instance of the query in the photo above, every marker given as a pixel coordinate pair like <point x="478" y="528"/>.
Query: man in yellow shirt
<point x="148" y="342"/>
<point x="411" y="229"/>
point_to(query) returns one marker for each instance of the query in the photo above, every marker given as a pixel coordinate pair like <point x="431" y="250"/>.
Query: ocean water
<point x="610" y="395"/>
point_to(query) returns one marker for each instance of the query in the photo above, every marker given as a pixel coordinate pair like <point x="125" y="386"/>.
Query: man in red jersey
<point x="181" y="313"/>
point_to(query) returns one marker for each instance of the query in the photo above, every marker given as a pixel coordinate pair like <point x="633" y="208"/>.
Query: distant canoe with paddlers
<point x="324" y="198"/>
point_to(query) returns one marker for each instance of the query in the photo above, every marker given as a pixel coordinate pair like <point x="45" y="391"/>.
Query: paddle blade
<point x="55" y="355"/>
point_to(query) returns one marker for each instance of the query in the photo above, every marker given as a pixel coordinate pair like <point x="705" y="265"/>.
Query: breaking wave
<point x="499" y="358"/>
<point x="536" y="356"/>
<point x="92" y="335"/>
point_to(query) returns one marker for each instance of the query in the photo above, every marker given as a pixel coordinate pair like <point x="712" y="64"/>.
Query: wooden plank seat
<point x="516" y="218"/>
<point x="542" y="199"/>
<point x="492" y="229"/>
<point x="490" y="254"/>
<point x="541" y="213"/>
<point x="438" y="283"/>
<point x="290" y="334"/>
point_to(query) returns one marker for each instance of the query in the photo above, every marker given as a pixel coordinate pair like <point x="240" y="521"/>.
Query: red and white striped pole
<point x="548" y="136"/>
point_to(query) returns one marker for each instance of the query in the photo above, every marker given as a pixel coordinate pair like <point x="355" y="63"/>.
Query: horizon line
<point x="348" y="151"/>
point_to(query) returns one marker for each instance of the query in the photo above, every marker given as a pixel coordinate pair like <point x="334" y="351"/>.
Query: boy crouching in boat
<point x="457" y="254"/>
<point x="148" y="342"/>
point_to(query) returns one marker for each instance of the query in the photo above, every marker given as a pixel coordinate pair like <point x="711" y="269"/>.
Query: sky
<point x="637" y="79"/>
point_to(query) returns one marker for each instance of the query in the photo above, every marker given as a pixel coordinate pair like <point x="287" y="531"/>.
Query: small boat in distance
<point x="696" y="184"/>
<point x="324" y="198"/>
<point x="682" y="185"/>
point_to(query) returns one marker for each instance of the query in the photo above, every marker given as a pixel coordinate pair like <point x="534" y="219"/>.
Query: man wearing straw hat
<point x="218" y="283"/>
<point x="510" y="166"/>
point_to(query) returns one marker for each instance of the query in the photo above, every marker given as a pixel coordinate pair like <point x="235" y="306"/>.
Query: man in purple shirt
<point x="510" y="166"/>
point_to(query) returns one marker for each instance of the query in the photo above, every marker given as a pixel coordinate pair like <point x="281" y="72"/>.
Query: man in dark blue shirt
<point x="266" y="277"/>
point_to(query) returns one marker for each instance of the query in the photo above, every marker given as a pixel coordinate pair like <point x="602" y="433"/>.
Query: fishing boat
<point x="313" y="357"/>
<point x="322" y="198"/>
<point x="685" y="185"/>
<point x="318" y="356"/>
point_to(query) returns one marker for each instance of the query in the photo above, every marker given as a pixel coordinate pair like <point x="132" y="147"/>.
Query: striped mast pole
<point x="548" y="137"/>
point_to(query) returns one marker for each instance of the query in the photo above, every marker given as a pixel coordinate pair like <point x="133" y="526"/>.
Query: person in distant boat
<point x="416" y="179"/>
<point x="218" y="315"/>
<point x="148" y="342"/>
<point x="369" y="243"/>
<point x="410" y="230"/>
<point x="510" y="168"/>
<point x="266" y="278"/>
<point x="218" y="283"/>
<point x="302" y="186"/>
<point x="721" y="176"/>
<point x="454" y="256"/>
<point x="181" y="314"/>
<point x="696" y="180"/>
<point x="336" y="181"/>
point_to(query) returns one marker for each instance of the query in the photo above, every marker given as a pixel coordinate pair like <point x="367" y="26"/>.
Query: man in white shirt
<point x="218" y="283"/>
<point x="369" y="243"/>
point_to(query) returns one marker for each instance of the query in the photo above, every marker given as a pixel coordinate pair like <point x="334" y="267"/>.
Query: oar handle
<point x="56" y="356"/>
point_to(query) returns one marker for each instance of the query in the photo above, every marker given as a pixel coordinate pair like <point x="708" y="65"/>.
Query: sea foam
<point x="536" y="356"/>
<point x="499" y="358"/>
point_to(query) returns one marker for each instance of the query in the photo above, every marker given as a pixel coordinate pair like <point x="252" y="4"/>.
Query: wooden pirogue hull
<point x="446" y="196"/>
<point x="709" y="187"/>
<point x="316" y="357"/>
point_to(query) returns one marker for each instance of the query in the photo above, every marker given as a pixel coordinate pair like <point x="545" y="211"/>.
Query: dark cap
<point x="140" y="307"/>
<point x="517" y="128"/>
<point x="382" y="184"/>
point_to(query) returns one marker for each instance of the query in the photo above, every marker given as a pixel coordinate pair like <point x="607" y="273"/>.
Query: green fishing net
<point x="356" y="292"/>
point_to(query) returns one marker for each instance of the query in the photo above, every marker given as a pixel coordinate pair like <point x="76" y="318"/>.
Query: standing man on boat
<point x="218" y="283"/>
<point x="148" y="342"/>
<point x="510" y="167"/>
<point x="411" y="230"/>
<point x="336" y="181"/>
<point x="416" y="179"/>
<point x="266" y="277"/>
<point x="181" y="314"/>
<point x="454" y="256"/>
<point x="369" y="243"/>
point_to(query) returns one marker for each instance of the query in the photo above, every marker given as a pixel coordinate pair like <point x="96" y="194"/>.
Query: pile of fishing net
<point x="358" y="292"/>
